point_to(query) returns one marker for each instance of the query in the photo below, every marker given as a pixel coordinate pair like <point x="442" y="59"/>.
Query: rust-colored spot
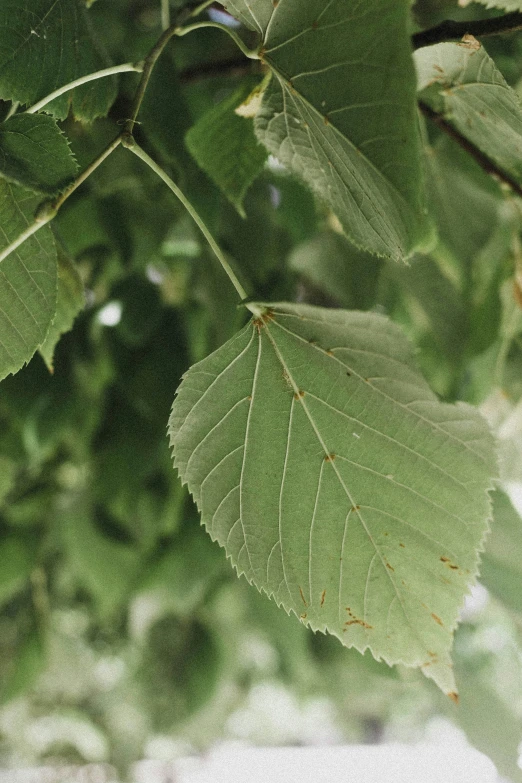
<point x="367" y="380"/>
<point x="437" y="619"/>
<point x="303" y="599"/>
<point x="454" y="697"/>
<point x="330" y="353"/>
<point x="275" y="3"/>
<point x="323" y="596"/>
<point x="402" y="545"/>
<point x="349" y="374"/>
<point x="403" y="582"/>
<point x="312" y="341"/>
<point x="385" y="533"/>
<point x="355" y="508"/>
<point x="454" y="567"/>
<point x="432" y="654"/>
<point x="303" y="616"/>
<point x="390" y="567"/>
<point x="299" y="395"/>
<point x="249" y="397"/>
<point x="329" y="458"/>
<point x="326" y="120"/>
<point x="357" y="621"/>
<point x="444" y="560"/>
<point x="438" y="68"/>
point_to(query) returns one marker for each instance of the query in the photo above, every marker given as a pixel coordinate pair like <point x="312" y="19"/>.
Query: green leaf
<point x="26" y="667"/>
<point x="340" y="111"/>
<point x="8" y="471"/>
<point x="463" y="83"/>
<point x="501" y="569"/>
<point x="17" y="560"/>
<point x="507" y="5"/>
<point x="225" y="147"/>
<point x="70" y="302"/>
<point x="27" y="280"/>
<point x="35" y="153"/>
<point x="45" y="44"/>
<point x="337" y="483"/>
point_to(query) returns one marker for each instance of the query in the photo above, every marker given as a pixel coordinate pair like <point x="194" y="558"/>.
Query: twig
<point x="486" y="163"/>
<point x="450" y="30"/>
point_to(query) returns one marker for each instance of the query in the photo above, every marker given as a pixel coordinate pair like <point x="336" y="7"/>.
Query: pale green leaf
<point x="506" y="5"/>
<point x="501" y="569"/>
<point x="45" y="44"/>
<point x="337" y="483"/>
<point x="70" y="302"/>
<point x="462" y="82"/>
<point x="225" y="147"/>
<point x="340" y="111"/>
<point x="27" y="280"/>
<point x="35" y="153"/>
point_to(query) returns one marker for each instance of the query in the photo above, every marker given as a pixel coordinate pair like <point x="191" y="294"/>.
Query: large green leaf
<point x="45" y="44"/>
<point x="340" y="111"/>
<point x="462" y="82"/>
<point x="27" y="280"/>
<point x="501" y="569"/>
<point x="337" y="483"/>
<point x="35" y="153"/>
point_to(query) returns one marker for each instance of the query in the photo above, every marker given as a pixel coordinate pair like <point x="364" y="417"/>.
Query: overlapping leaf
<point x="45" y="44"/>
<point x="27" y="280"/>
<point x="340" y="111"/>
<point x="463" y="83"/>
<point x="337" y="483"/>
<point x="35" y="153"/>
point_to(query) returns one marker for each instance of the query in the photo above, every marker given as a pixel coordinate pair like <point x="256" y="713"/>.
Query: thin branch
<point x="450" y="30"/>
<point x="49" y="209"/>
<point x="129" y="142"/>
<point x="486" y="163"/>
<point x="90" y="77"/>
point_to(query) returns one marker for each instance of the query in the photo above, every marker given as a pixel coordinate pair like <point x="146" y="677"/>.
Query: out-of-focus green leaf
<point x="225" y="147"/>
<point x="70" y="302"/>
<point x="7" y="477"/>
<point x="348" y="275"/>
<point x="16" y="563"/>
<point x="322" y="415"/>
<point x="35" y="153"/>
<point x="501" y="568"/>
<point x="45" y="44"/>
<point x="27" y="280"/>
<point x="26" y="666"/>
<point x="349" y="130"/>
<point x="104" y="567"/>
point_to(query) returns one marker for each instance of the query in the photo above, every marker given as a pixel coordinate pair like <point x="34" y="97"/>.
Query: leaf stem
<point x="489" y="166"/>
<point x="133" y="146"/>
<point x="90" y="77"/>
<point x="452" y="30"/>
<point x="252" y="54"/>
<point x="49" y="209"/>
<point x="165" y="14"/>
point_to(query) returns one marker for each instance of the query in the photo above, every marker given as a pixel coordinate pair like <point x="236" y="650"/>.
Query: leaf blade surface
<point x="337" y="483"/>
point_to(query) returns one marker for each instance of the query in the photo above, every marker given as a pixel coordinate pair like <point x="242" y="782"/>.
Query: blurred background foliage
<point x="121" y="624"/>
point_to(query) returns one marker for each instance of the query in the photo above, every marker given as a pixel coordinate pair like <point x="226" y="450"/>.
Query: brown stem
<point x="450" y="30"/>
<point x="486" y="163"/>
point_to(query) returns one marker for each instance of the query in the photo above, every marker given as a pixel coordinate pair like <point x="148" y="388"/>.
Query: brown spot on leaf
<point x="349" y="374"/>
<point x="303" y="599"/>
<point x="357" y="621"/>
<point x="390" y="567"/>
<point x="329" y="352"/>
<point x="329" y="458"/>
<point x="437" y="619"/>
<point x="303" y="616"/>
<point x="323" y="596"/>
<point x="454" y="697"/>
<point x="402" y="545"/>
<point x="444" y="560"/>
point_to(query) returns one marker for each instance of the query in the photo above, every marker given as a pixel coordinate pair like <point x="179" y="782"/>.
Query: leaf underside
<point x="462" y="83"/>
<point x="340" y="111"/>
<point x="28" y="280"/>
<point x="337" y="483"/>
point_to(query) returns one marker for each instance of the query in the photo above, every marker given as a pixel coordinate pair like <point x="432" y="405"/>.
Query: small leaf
<point x="45" y="44"/>
<point x="70" y="302"/>
<point x="501" y="569"/>
<point x="225" y="147"/>
<point x="27" y="280"/>
<point x="463" y="83"/>
<point x="337" y="483"/>
<point x="35" y="153"/>
<point x="340" y="111"/>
